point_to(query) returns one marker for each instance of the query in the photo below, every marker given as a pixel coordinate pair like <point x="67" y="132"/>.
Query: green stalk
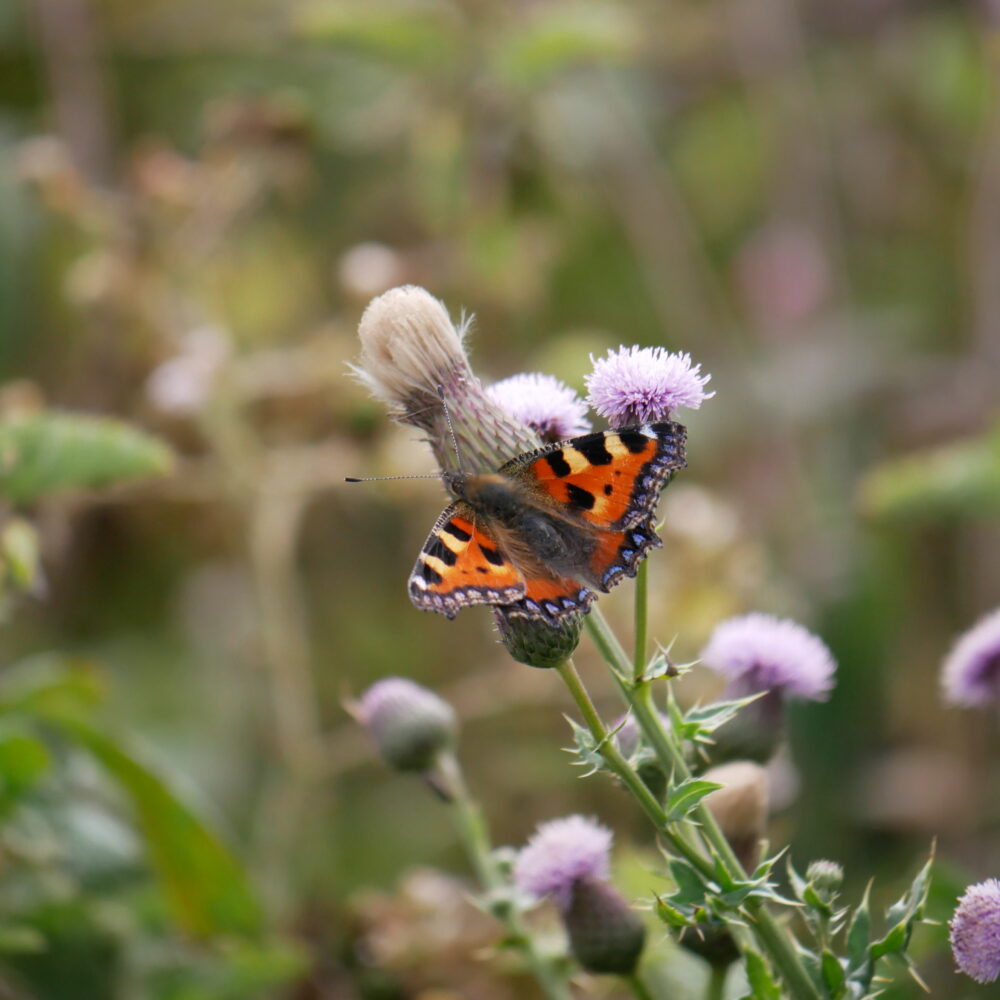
<point x="472" y="829"/>
<point x="715" y="987"/>
<point x="638" y="987"/>
<point x="641" y="619"/>
<point x="638" y="695"/>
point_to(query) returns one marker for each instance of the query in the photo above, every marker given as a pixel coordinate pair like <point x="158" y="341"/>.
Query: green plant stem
<point x="625" y="772"/>
<point x="471" y="827"/>
<point x="638" y="987"/>
<point x="641" y="619"/>
<point x="715" y="987"/>
<point x="638" y="695"/>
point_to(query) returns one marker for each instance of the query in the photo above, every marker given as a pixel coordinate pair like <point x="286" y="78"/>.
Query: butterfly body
<point x="551" y="528"/>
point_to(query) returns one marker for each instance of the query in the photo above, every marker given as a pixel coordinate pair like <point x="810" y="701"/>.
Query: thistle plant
<point x="726" y="898"/>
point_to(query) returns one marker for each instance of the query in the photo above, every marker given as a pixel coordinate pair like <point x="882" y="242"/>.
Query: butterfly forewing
<point x="460" y="565"/>
<point x="611" y="478"/>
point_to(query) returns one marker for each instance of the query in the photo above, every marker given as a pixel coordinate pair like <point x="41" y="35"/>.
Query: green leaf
<point x="859" y="933"/>
<point x="759" y="977"/>
<point x="45" y="453"/>
<point x="207" y="890"/>
<point x="684" y="797"/>
<point x="833" y="974"/>
<point x="670" y="915"/>
<point x="958" y="479"/>
<point x="23" y="761"/>
<point x="690" y="885"/>
<point x="19" y="554"/>
<point x="702" y="720"/>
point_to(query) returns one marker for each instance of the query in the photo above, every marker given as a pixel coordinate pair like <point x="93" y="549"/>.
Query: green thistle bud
<point x="537" y="643"/>
<point x="826" y="878"/>
<point x="411" y="725"/>
<point x="605" y="934"/>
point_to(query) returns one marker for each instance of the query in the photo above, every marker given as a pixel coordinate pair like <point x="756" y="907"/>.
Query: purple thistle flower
<point x="410" y="724"/>
<point x="546" y="405"/>
<point x="560" y="854"/>
<point x="640" y="385"/>
<point x="764" y="653"/>
<point x="971" y="673"/>
<point x="975" y="931"/>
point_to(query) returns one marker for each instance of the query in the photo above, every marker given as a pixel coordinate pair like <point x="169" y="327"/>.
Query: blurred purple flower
<point x="560" y="854"/>
<point x="410" y="724"/>
<point x="639" y="385"/>
<point x="975" y="931"/>
<point x="971" y="673"/>
<point x="545" y="404"/>
<point x="764" y="653"/>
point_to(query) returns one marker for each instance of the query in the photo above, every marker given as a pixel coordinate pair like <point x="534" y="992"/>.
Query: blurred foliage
<point x="197" y="201"/>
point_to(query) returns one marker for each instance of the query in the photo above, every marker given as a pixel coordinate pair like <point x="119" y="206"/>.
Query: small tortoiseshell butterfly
<point x="546" y="531"/>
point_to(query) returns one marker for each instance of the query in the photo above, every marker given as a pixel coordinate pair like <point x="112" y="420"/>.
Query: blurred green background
<point x="197" y="200"/>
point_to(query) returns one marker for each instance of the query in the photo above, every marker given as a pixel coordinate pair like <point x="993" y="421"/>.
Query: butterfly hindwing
<point x="611" y="479"/>
<point x="460" y="564"/>
<point x="551" y="599"/>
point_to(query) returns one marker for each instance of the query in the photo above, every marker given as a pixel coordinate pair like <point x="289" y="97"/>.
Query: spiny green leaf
<point x="859" y="932"/>
<point x="759" y="977"/>
<point x="685" y="796"/>
<point x="45" y="453"/>
<point x="833" y="974"/>
<point x="703" y="720"/>
<point x="691" y="888"/>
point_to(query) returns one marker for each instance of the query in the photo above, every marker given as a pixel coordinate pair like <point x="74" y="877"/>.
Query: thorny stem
<point x="638" y="695"/>
<point x="472" y="829"/>
<point x="621" y="767"/>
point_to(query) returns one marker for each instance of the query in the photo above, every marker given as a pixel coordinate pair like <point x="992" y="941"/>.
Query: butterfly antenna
<point x="451" y="429"/>
<point x="382" y="479"/>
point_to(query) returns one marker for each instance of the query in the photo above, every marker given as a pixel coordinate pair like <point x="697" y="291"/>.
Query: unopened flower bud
<point x="740" y="806"/>
<point x="826" y="877"/>
<point x="606" y="935"/>
<point x="537" y="643"/>
<point x="410" y="724"/>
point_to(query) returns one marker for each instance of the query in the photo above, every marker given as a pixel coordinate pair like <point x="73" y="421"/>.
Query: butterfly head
<point x="492" y="494"/>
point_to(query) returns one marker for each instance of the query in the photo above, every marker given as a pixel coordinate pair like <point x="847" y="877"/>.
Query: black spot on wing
<point x="492" y="555"/>
<point x="431" y="575"/>
<point x="559" y="466"/>
<point x="580" y="498"/>
<point x="633" y="439"/>
<point x="436" y="548"/>
<point x="593" y="449"/>
<point x="456" y="532"/>
<point x="608" y="489"/>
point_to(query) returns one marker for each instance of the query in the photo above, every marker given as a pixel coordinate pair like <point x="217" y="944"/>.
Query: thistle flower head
<point x="413" y="359"/>
<point x="549" y="407"/>
<point x="639" y="385"/>
<point x="537" y="643"/>
<point x="560" y="854"/>
<point x="410" y="724"/>
<point x="971" y="672"/>
<point x="739" y="806"/>
<point x="763" y="653"/>
<point x="975" y="932"/>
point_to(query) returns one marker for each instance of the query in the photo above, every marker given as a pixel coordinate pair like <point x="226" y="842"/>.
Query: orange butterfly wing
<point x="611" y="479"/>
<point x="460" y="565"/>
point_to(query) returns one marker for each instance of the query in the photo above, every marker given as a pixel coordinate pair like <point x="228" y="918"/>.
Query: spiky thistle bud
<point x="537" y="643"/>
<point x="413" y="359"/>
<point x="410" y="725"/>
<point x="826" y="878"/>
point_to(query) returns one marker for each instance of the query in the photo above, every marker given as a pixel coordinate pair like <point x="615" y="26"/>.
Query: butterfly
<point x="547" y="531"/>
